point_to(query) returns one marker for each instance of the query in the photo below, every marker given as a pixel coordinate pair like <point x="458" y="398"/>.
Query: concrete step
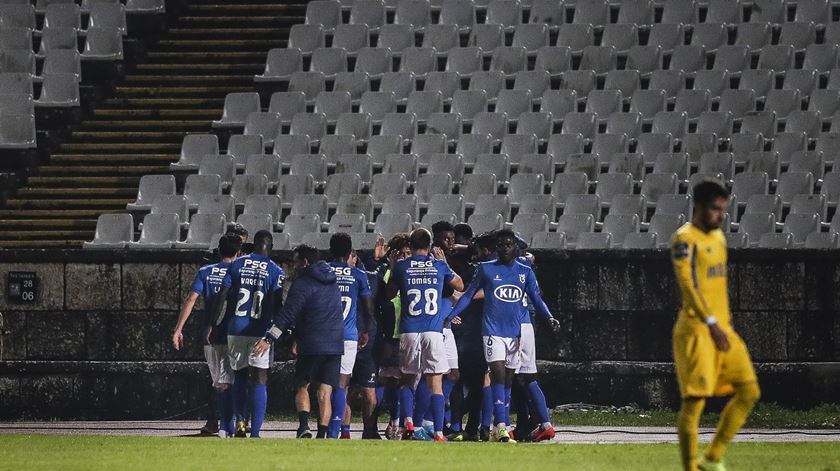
<point x="236" y="32"/>
<point x="204" y="68"/>
<point x="56" y="214"/>
<point x="113" y="159"/>
<point x="141" y="114"/>
<point x="42" y="243"/>
<point x="82" y="182"/>
<point x="200" y="57"/>
<point x="218" y="44"/>
<point x="119" y="147"/>
<point x="24" y="224"/>
<point x="102" y="170"/>
<point x="184" y="79"/>
<point x="245" y="9"/>
<point x="166" y="103"/>
<point x="130" y="136"/>
<point x="179" y="92"/>
<point x="257" y="21"/>
<point x="144" y="125"/>
<point x="91" y="203"/>
<point x="55" y="235"/>
<point x="45" y="192"/>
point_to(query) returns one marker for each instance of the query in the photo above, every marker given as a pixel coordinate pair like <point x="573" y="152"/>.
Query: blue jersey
<point x="251" y="279"/>
<point x="208" y="283"/>
<point x="526" y="313"/>
<point x="421" y="280"/>
<point x="353" y="284"/>
<point x="505" y="287"/>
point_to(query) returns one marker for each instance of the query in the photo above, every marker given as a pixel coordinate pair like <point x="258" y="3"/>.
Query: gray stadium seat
<point x="264" y="204"/>
<point x="481" y="223"/>
<point x="640" y="240"/>
<point x="555" y="60"/>
<point x="619" y="226"/>
<point x="764" y="204"/>
<point x="339" y="184"/>
<point x="549" y="240"/>
<point x="281" y="64"/>
<point x="657" y="184"/>
<point x="664" y="226"/>
<point x="172" y="204"/>
<point x="808" y="161"/>
<point x="490" y="81"/>
<point x="357" y="124"/>
<point x="431" y="184"/>
<point x="217" y="204"/>
<point x="402" y="164"/>
<point x="775" y="241"/>
<point x="822" y="240"/>
<point x="809" y="204"/>
<point x="379" y="147"/>
<point x="756" y="224"/>
<point x="334" y="145"/>
<point x="629" y="204"/>
<point x="152" y="186"/>
<point x="594" y="241"/>
<point x="370" y="13"/>
<point x="349" y="223"/>
<point x="487" y="37"/>
<point x="493" y="204"/>
<point x="794" y="183"/>
<point x="59" y="91"/>
<point x="384" y="184"/>
<point x="399" y="124"/>
<point x="103" y="45"/>
<point x="527" y="224"/>
<point x="374" y="61"/>
<point x="572" y="225"/>
<point x="569" y="183"/>
<point x="313" y="125"/>
<point x="800" y="225"/>
<point x="290" y="186"/>
<point x="202" y="229"/>
<point x="399" y="203"/>
<point x="477" y="184"/>
<point x="297" y="225"/>
<point x="390" y="224"/>
<point x="449" y="164"/>
<point x="310" y="83"/>
<point x="113" y="231"/>
<point x="221" y="165"/>
<point x="509" y="59"/>
<point x="287" y="146"/>
<point x="737" y="240"/>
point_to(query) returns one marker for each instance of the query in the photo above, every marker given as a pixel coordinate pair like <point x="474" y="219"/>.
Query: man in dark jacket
<point x="313" y="307"/>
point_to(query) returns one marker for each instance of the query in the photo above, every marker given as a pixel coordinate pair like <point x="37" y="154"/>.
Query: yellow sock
<point x="688" y="420"/>
<point x="733" y="417"/>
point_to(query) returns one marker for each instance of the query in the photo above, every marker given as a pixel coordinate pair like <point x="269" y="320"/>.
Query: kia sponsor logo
<point x="508" y="293"/>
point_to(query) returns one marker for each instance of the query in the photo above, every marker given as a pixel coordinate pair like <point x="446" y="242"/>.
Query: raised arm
<point x="467" y="297"/>
<point x="532" y="289"/>
<point x="288" y="315"/>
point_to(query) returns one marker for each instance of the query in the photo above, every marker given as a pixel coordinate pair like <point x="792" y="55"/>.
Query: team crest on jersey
<point x="522" y="278"/>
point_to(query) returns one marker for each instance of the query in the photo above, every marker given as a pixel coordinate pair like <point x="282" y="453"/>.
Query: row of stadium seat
<point x="420" y="13"/>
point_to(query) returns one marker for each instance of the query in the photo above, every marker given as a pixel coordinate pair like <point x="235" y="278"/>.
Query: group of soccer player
<point x="435" y="326"/>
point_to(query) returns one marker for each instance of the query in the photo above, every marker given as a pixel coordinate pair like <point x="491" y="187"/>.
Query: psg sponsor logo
<point x="508" y="293"/>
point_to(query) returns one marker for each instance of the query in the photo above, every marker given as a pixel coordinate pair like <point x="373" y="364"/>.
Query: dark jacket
<point x="313" y="308"/>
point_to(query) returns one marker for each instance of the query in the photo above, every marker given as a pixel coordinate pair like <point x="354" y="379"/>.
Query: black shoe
<point x="210" y="428"/>
<point x="371" y="436"/>
<point x="469" y="437"/>
<point x="304" y="433"/>
<point x="483" y="434"/>
<point x="447" y="431"/>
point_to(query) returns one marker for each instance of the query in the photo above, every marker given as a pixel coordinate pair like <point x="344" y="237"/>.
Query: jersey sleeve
<point x="199" y="282"/>
<point x="466" y="298"/>
<point x="684" y="258"/>
<point x="446" y="272"/>
<point x="277" y="276"/>
<point x="532" y="289"/>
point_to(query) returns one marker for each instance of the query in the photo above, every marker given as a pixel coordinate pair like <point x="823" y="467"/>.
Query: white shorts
<point x="240" y="350"/>
<point x="451" y="348"/>
<point x="504" y="349"/>
<point x="528" y="350"/>
<point x="219" y="364"/>
<point x="423" y="353"/>
<point x="348" y="359"/>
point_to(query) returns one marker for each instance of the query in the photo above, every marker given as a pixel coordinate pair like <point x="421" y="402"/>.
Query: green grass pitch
<point x="45" y="452"/>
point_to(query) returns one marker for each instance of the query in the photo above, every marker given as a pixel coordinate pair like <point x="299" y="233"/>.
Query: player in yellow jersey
<point x="709" y="357"/>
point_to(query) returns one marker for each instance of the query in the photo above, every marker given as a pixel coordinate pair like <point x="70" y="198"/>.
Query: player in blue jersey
<point x="357" y="309"/>
<point x="505" y="281"/>
<point x="420" y="280"/>
<point x="207" y="284"/>
<point x="253" y="289"/>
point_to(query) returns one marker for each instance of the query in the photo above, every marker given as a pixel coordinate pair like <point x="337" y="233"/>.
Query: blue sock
<point x="438" y="405"/>
<point x="447" y="390"/>
<point x="391" y="396"/>
<point x="422" y="396"/>
<point x="240" y="394"/>
<point x="487" y="407"/>
<point x="259" y="401"/>
<point x="406" y="403"/>
<point x="507" y="405"/>
<point x="537" y="397"/>
<point x="339" y="402"/>
<point x="380" y="394"/>
<point x="499" y="403"/>
<point x="225" y="398"/>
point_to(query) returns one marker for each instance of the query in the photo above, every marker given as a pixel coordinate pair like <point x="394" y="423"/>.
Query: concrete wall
<point x="96" y="343"/>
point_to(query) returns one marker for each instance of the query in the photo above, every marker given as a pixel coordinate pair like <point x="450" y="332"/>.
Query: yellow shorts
<point x="702" y="370"/>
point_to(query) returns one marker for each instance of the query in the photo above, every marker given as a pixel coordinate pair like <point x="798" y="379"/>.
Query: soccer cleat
<point x="304" y="433"/>
<point x="344" y="436"/>
<point x="540" y="434"/>
<point x="240" y="429"/>
<point x="371" y="436"/>
<point x="440" y="438"/>
<point x="470" y="437"/>
<point x="408" y="433"/>
<point x="422" y="434"/>
<point x="392" y="432"/>
<point x="455" y="437"/>
<point x="707" y="465"/>
<point x="483" y="434"/>
<point x="210" y="428"/>
<point x="502" y="436"/>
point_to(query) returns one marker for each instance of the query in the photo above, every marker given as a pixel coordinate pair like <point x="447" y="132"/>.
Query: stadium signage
<point x="22" y="286"/>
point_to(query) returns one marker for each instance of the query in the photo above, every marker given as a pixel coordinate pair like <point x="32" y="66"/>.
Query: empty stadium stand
<point x="578" y="124"/>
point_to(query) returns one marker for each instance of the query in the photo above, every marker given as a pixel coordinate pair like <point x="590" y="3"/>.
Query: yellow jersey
<point x="699" y="260"/>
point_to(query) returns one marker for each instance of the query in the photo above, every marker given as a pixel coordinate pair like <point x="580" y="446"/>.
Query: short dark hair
<point x="238" y="230"/>
<point x="307" y="252"/>
<point x="229" y="245"/>
<point x="463" y="229"/>
<point x="263" y="237"/>
<point x="420" y="239"/>
<point x="506" y="233"/>
<point x="708" y="190"/>
<point x="442" y="226"/>
<point x="398" y="241"/>
<point x="341" y="245"/>
<point x="486" y="241"/>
